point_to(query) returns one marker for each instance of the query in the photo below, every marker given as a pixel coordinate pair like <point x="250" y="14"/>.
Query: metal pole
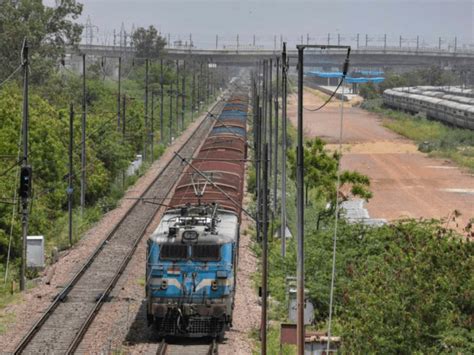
<point x="275" y="165"/>
<point x="208" y="81"/>
<point x="83" y="138"/>
<point x="258" y="154"/>
<point x="417" y="43"/>
<point x="358" y="41"/>
<point x="152" y="127"/>
<point x="161" y="101"/>
<point x="217" y="41"/>
<point x="366" y="40"/>
<point x="329" y="38"/>
<point x="183" y="94"/>
<point x="270" y="116"/>
<point x="193" y="93"/>
<point x="384" y="42"/>
<point x="124" y="123"/>
<point x="171" y="112"/>
<point x="70" y="188"/>
<point x="146" y="110"/>
<point x="300" y="209"/>
<point x="284" y="78"/>
<point x="264" y="250"/>
<point x="177" y="95"/>
<point x="118" y="90"/>
<point x="25" y="128"/>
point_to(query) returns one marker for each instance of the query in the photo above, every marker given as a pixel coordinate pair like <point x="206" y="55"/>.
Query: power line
<point x="11" y="75"/>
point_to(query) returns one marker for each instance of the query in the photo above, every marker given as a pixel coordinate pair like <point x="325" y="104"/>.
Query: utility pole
<point x="208" y="82"/>
<point x="152" y="127"/>
<point x="118" y="90"/>
<point x="69" y="190"/>
<point x="275" y="165"/>
<point x="146" y="110"/>
<point x="385" y="42"/>
<point x="307" y="38"/>
<point x="124" y="122"/>
<point x="253" y="42"/>
<point x="200" y="86"/>
<point x="329" y="39"/>
<point x="177" y="95"/>
<point x="439" y="43"/>
<point x="83" y="136"/>
<point x="265" y="251"/>
<point x="161" y="100"/>
<point x="284" y="81"/>
<point x="455" y="44"/>
<point x="193" y="93"/>
<point x="366" y="40"/>
<point x="217" y="41"/>
<point x="258" y="166"/>
<point x="238" y="43"/>
<point x="400" y="42"/>
<point x="417" y="43"/>
<point x="300" y="329"/>
<point x="171" y="112"/>
<point x="358" y="41"/>
<point x="270" y="113"/>
<point x="26" y="171"/>
<point x="183" y="94"/>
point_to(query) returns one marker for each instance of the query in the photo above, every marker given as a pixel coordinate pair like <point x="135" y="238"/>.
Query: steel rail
<point x="63" y="294"/>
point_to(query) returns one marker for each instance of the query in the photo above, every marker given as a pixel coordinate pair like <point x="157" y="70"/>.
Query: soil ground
<point x="404" y="181"/>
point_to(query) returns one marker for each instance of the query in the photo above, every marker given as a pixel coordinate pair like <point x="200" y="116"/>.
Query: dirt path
<point x="405" y="182"/>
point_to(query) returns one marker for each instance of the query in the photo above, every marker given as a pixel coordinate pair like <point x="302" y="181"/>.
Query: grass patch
<point x="433" y="137"/>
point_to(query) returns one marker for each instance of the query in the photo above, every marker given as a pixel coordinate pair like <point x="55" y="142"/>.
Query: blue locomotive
<point x="191" y="271"/>
<point x="192" y="255"/>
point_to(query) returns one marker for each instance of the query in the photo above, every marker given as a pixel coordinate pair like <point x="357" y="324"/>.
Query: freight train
<point x="192" y="255"/>
<point x="436" y="102"/>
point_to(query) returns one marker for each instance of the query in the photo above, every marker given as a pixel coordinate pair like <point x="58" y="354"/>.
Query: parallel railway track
<point x="63" y="325"/>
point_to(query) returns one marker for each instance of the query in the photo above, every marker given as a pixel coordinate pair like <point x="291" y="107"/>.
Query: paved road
<point x="405" y="182"/>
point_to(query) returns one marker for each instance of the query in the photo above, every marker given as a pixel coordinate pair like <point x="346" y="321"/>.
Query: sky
<point x="428" y="19"/>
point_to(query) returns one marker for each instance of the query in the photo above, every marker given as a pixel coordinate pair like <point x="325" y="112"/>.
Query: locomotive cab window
<point x="173" y="252"/>
<point x="203" y="252"/>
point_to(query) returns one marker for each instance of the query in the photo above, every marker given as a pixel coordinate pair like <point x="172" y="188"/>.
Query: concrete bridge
<point x="398" y="58"/>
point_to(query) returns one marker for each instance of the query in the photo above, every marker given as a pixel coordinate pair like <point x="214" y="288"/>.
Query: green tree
<point x="48" y="31"/>
<point x="148" y="43"/>
<point x="320" y="173"/>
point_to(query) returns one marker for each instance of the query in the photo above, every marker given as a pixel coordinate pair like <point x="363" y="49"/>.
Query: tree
<point x="148" y="43"/>
<point x="320" y="173"/>
<point x="48" y="31"/>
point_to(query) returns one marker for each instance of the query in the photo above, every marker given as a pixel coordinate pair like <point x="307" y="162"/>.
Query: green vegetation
<point x="433" y="137"/>
<point x="407" y="287"/>
<point x="52" y="89"/>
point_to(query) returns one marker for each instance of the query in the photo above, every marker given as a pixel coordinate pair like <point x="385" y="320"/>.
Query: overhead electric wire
<point x="336" y="222"/>
<point x="328" y="100"/>
<point x="11" y="75"/>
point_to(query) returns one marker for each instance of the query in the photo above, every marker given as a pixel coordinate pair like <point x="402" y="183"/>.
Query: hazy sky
<point x="227" y="18"/>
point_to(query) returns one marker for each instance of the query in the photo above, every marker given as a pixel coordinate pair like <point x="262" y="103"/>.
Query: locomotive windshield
<point x="203" y="252"/>
<point x="173" y="252"/>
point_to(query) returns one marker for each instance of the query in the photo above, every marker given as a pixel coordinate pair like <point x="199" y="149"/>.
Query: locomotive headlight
<point x="221" y="274"/>
<point x="164" y="285"/>
<point x="214" y="285"/>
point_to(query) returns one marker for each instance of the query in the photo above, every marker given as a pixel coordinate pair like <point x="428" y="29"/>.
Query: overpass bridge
<point x="398" y="58"/>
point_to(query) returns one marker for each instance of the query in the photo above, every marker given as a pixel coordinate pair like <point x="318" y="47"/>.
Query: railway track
<point x="166" y="348"/>
<point x="63" y="325"/>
